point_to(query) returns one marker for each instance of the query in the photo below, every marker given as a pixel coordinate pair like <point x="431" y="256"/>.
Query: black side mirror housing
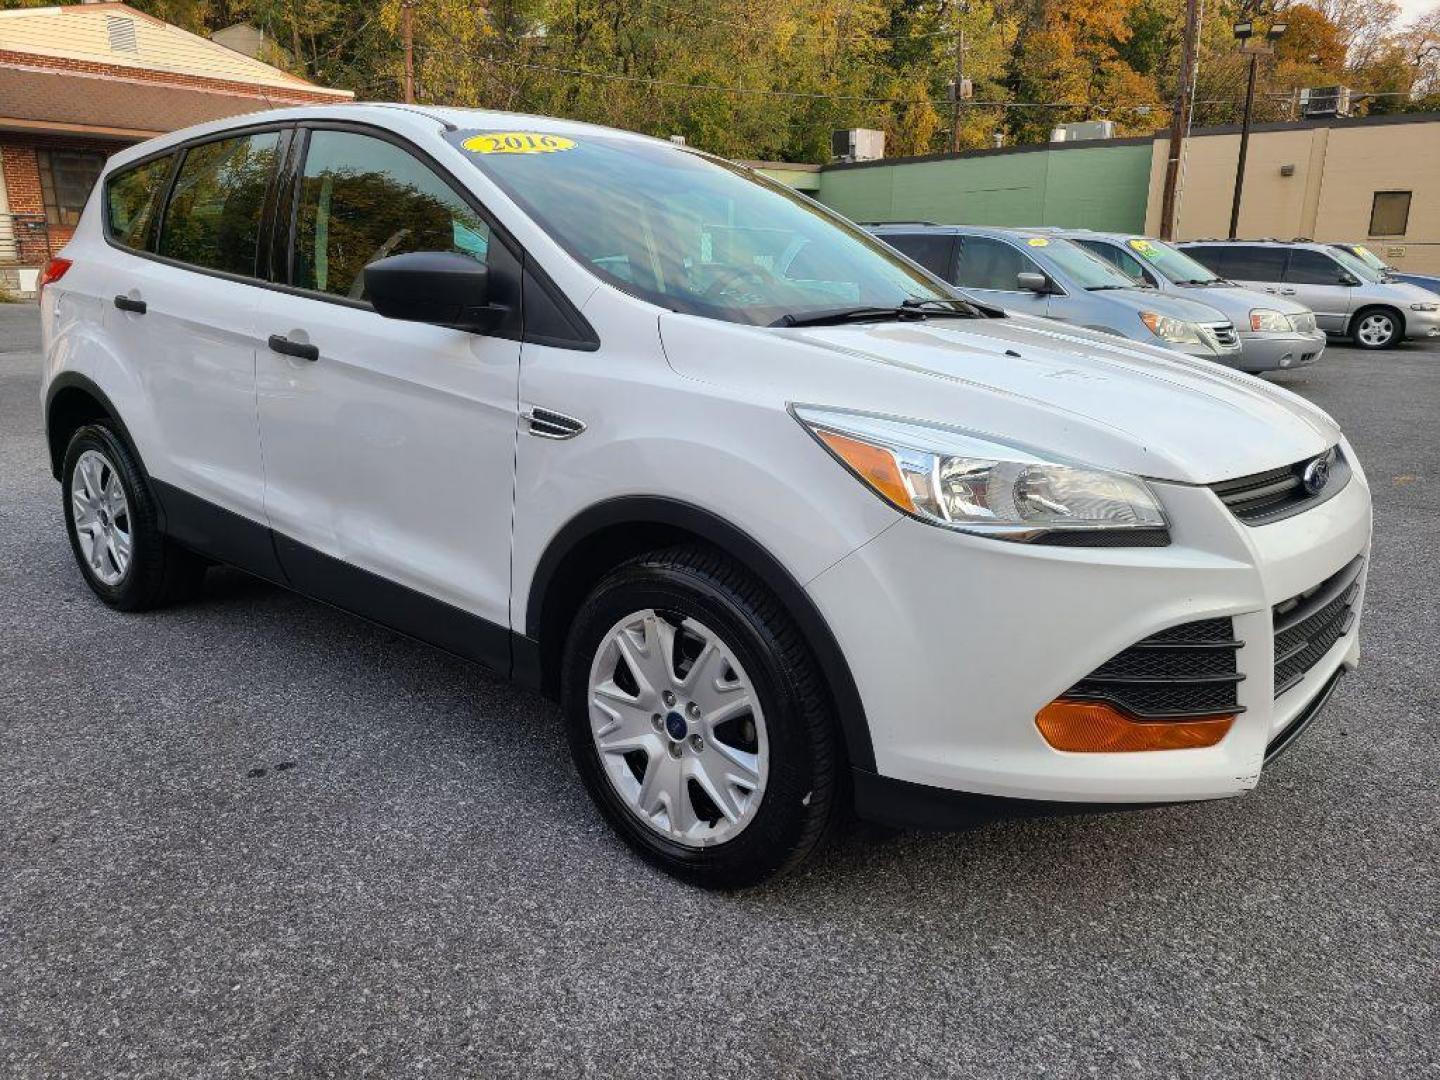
<point x="1032" y="282"/>
<point x="440" y="287"/>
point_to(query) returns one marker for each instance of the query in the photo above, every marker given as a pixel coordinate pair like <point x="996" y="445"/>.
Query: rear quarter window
<point x="131" y="196"/>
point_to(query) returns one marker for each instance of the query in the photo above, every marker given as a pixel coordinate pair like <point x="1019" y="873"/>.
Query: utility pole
<point x="957" y="92"/>
<point x="1180" y="120"/>
<point x="407" y="29"/>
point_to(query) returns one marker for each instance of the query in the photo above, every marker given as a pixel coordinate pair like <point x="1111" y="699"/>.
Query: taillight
<point x="54" y="271"/>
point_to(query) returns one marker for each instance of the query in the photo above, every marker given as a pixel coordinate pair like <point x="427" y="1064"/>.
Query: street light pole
<point x="1243" y="31"/>
<point x="1244" y="146"/>
<point x="1180" y="119"/>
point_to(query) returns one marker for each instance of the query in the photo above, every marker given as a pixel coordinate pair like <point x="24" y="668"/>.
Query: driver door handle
<point x="298" y="349"/>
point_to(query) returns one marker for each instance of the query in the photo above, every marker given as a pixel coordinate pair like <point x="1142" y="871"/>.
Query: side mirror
<point x="1032" y="282"/>
<point x="440" y="287"/>
<point x="1349" y="279"/>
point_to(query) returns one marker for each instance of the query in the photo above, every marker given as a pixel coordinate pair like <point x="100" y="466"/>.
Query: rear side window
<point x="130" y="200"/>
<point x="930" y="250"/>
<point x="1213" y="258"/>
<point x="363" y="199"/>
<point x="1241" y="262"/>
<point x="213" y="217"/>
<point x="990" y="264"/>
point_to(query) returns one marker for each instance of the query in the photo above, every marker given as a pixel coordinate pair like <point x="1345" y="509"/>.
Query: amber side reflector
<point x="875" y="466"/>
<point x="1093" y="727"/>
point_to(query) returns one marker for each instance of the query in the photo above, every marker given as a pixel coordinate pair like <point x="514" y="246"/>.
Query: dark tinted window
<point x="1213" y="258"/>
<point x="213" y="217"/>
<point x="930" y="250"/>
<point x="1312" y="268"/>
<point x="363" y="199"/>
<point x="130" y="200"/>
<point x="1245" y="263"/>
<point x="990" y="264"/>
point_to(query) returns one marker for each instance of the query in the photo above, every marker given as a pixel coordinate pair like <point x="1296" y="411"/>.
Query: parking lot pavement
<point x="255" y="837"/>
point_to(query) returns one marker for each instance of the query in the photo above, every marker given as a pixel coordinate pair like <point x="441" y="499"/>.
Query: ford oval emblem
<point x="1316" y="474"/>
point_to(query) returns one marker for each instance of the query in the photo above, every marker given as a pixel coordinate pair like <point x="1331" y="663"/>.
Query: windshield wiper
<point x="1202" y="281"/>
<point x="1106" y="288"/>
<point x="912" y="310"/>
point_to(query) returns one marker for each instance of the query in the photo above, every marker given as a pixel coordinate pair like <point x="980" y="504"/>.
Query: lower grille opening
<point x="1186" y="671"/>
<point x="1308" y="626"/>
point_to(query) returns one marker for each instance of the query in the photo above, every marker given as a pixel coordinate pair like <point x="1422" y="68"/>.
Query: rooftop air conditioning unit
<point x="1319" y="101"/>
<point x="858" y="144"/>
<point x="1084" y="130"/>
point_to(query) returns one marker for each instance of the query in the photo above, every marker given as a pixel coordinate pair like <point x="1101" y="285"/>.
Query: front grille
<point x="1186" y="671"/>
<point x="1224" y="334"/>
<point x="1303" y="323"/>
<point x="1308" y="626"/>
<point x="1269" y="496"/>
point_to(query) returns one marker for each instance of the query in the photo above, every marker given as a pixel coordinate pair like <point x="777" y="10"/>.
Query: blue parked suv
<point x="1038" y="274"/>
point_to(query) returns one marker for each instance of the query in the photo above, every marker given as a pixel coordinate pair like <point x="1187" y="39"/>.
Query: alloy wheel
<point x="678" y="728"/>
<point x="102" y="519"/>
<point x="1375" y="330"/>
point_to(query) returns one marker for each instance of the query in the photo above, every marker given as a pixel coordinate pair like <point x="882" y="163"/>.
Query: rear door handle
<point x="281" y="344"/>
<point x="125" y="303"/>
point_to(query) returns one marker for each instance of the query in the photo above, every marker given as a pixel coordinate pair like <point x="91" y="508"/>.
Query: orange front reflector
<point x="877" y="467"/>
<point x="1092" y="727"/>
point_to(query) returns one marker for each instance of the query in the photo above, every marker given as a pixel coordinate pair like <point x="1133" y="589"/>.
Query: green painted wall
<point x="804" y="180"/>
<point x="1102" y="187"/>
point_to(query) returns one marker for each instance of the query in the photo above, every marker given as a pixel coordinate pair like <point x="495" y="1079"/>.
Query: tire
<point x="1377" y="328"/>
<point x="785" y="747"/>
<point x="153" y="571"/>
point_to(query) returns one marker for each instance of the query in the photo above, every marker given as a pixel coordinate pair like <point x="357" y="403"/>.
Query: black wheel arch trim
<point x="673" y="513"/>
<point x="71" y="380"/>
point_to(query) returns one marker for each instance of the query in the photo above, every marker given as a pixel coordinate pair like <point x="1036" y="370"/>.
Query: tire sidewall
<point x="131" y="588"/>
<point x="780" y="822"/>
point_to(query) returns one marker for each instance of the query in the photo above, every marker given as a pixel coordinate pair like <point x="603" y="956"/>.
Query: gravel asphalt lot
<point x="255" y="837"/>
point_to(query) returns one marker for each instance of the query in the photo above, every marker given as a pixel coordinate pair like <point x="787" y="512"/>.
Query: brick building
<point x="78" y="83"/>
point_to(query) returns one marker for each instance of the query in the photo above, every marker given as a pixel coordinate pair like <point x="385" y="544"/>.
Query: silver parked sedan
<point x="1276" y="333"/>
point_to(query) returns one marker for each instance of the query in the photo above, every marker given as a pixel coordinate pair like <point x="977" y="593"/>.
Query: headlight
<point x="1425" y="306"/>
<point x="974" y="485"/>
<point x="1167" y="329"/>
<point x="1265" y="321"/>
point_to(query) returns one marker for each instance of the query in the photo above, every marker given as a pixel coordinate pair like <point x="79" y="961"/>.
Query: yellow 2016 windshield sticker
<point x="1144" y="247"/>
<point x="1038" y="241"/>
<point x="517" y="142"/>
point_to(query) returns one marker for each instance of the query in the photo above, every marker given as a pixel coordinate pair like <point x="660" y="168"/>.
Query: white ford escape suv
<point x="783" y="524"/>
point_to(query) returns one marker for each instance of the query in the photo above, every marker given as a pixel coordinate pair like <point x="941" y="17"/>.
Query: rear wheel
<point x="697" y="721"/>
<point x="112" y="519"/>
<point x="1377" y="328"/>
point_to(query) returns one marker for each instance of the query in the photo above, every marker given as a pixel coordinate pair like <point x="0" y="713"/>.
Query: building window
<point x="66" y="177"/>
<point x="1390" y="213"/>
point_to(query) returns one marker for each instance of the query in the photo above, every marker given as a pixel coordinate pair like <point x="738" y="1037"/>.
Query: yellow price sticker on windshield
<point x="1144" y="247"/>
<point x="1038" y="241"/>
<point x="517" y="142"/>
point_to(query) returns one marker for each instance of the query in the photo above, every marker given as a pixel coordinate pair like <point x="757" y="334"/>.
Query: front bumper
<point x="1422" y="325"/>
<point x="956" y="642"/>
<point x="1277" y="352"/>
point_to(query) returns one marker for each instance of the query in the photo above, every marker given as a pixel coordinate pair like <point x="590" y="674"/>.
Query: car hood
<point x="1238" y="302"/>
<point x="1191" y="309"/>
<point x="1079" y="395"/>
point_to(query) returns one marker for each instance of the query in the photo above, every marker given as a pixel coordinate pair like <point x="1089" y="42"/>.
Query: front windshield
<point x="691" y="233"/>
<point x="1171" y="263"/>
<point x="1085" y="269"/>
<point x="1365" y="255"/>
<point x="1360" y="269"/>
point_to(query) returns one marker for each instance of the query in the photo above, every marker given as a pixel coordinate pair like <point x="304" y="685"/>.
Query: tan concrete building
<point x="1371" y="180"/>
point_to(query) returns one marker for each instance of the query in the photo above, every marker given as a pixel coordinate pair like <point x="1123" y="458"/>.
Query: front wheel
<point x="697" y="720"/>
<point x="1377" y="328"/>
